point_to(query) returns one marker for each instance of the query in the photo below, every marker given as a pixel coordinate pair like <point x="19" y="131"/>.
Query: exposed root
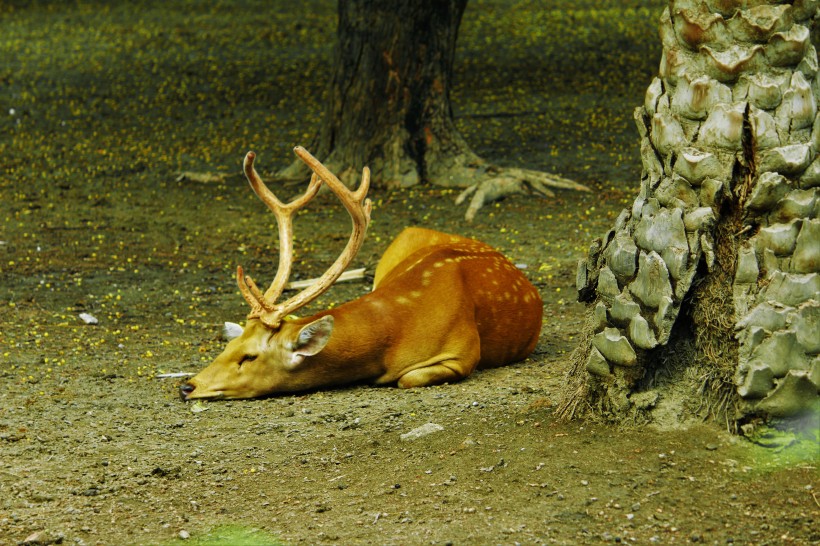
<point x="484" y="183"/>
<point x="575" y="396"/>
<point x="206" y="177"/>
<point x="497" y="183"/>
<point x="717" y="398"/>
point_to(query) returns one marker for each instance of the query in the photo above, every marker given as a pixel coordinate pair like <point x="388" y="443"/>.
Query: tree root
<point x="206" y="177"/>
<point x="484" y="183"/>
<point x="497" y="183"/>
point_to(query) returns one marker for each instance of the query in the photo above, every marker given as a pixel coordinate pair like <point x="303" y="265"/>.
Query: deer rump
<point x="464" y="290"/>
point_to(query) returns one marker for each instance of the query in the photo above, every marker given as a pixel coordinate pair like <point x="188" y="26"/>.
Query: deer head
<point x="259" y="360"/>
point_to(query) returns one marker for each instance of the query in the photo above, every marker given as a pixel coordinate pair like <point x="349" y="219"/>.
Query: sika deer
<point x="441" y="306"/>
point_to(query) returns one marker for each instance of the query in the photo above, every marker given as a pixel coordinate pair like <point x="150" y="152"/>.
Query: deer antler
<point x="263" y="306"/>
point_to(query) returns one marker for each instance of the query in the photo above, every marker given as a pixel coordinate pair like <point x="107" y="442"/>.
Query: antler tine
<point x="359" y="209"/>
<point x="244" y="288"/>
<point x="284" y="218"/>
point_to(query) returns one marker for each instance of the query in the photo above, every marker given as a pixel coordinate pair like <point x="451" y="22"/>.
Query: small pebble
<point x="423" y="430"/>
<point x="88" y="319"/>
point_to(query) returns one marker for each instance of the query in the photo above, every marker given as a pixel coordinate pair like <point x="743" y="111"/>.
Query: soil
<point x="107" y="104"/>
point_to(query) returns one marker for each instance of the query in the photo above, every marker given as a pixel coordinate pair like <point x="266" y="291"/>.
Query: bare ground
<point x="94" y="449"/>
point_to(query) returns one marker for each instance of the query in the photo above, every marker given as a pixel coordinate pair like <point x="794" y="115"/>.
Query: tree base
<point x="658" y="391"/>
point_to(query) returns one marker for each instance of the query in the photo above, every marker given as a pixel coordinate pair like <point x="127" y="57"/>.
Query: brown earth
<point x="107" y="104"/>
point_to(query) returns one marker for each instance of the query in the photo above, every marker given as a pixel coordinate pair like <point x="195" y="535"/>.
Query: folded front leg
<point x="447" y="371"/>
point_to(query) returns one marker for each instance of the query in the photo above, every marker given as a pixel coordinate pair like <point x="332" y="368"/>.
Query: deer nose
<point x="185" y="390"/>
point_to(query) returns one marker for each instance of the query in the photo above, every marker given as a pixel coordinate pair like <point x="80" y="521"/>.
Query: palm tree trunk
<point x="705" y="295"/>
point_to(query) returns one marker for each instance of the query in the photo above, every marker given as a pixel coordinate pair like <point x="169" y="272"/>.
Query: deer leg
<point x="446" y="371"/>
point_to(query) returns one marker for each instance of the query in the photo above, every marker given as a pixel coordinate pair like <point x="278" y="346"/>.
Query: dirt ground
<point x="106" y="105"/>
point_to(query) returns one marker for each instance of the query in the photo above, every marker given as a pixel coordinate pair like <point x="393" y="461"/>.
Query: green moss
<point x="229" y="535"/>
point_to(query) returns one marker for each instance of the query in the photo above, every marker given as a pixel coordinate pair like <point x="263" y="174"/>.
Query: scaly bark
<point x="709" y="284"/>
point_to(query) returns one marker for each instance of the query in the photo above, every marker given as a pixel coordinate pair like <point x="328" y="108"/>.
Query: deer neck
<point x="356" y="349"/>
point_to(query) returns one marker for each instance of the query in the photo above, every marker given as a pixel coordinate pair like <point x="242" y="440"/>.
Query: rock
<point x="615" y="347"/>
<point x="597" y="364"/>
<point x="652" y="282"/>
<point x="794" y="394"/>
<point x="419" y="432"/>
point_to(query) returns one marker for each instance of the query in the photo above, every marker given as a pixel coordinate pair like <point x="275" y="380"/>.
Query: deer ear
<point x="231" y="330"/>
<point x="312" y="338"/>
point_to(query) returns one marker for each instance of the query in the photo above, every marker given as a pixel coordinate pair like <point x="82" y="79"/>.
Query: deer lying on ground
<point x="441" y="306"/>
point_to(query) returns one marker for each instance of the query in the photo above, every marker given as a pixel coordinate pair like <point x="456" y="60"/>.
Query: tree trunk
<point x="389" y="105"/>
<point x="706" y="293"/>
<point x="389" y="97"/>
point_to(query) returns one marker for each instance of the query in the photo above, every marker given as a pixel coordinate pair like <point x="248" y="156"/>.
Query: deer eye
<point x="247" y="358"/>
